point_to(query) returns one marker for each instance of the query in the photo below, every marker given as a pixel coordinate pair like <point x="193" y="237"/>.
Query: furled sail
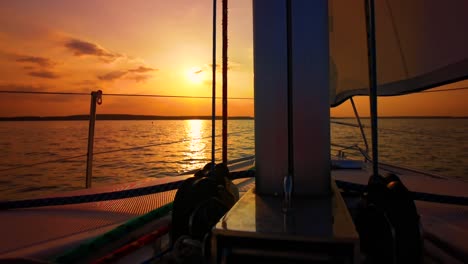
<point x="421" y="44"/>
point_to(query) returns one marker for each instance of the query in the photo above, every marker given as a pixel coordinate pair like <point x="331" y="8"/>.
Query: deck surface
<point x="25" y="231"/>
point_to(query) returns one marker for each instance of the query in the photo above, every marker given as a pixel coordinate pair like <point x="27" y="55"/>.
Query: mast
<point x="225" y="80"/>
<point x="370" y="21"/>
<point x="291" y="86"/>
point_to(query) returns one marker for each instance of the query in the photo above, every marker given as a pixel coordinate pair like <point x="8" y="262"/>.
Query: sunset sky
<point x="144" y="47"/>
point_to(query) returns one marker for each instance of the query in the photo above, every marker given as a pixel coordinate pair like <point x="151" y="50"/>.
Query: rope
<point x="84" y="250"/>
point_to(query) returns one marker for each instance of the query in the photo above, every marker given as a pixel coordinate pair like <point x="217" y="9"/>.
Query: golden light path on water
<point x="194" y="132"/>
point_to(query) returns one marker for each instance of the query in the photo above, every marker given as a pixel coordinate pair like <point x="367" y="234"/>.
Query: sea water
<point x="50" y="156"/>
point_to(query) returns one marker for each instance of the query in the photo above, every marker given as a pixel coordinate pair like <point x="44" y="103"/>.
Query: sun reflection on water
<point x="194" y="130"/>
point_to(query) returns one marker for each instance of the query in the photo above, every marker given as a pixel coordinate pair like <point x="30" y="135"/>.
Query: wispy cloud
<point x="142" y="69"/>
<point x="44" y="74"/>
<point x="140" y="77"/>
<point x="37" y="66"/>
<point x="136" y="74"/>
<point x="111" y="76"/>
<point x="40" y="61"/>
<point x="85" y="48"/>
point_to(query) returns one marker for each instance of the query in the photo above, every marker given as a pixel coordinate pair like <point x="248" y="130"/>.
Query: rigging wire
<point x="225" y="80"/>
<point x="356" y="114"/>
<point x="396" y="130"/>
<point x="126" y="95"/>
<point x="181" y="96"/>
<point x="213" y="83"/>
<point x="445" y="90"/>
<point x="36" y="92"/>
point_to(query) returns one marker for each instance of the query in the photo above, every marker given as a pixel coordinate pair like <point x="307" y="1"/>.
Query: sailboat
<point x="299" y="207"/>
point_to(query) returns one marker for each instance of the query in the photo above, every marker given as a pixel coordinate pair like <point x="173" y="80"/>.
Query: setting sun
<point x="195" y="75"/>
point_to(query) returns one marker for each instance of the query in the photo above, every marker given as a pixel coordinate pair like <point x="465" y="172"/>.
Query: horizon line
<point x="182" y="117"/>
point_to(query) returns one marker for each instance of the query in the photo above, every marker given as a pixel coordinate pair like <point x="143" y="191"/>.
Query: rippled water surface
<point x="132" y="150"/>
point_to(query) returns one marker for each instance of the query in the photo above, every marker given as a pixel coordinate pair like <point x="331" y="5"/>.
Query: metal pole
<point x="288" y="181"/>
<point x="95" y="99"/>
<point x="370" y="19"/>
<point x="213" y="98"/>
<point x="225" y="68"/>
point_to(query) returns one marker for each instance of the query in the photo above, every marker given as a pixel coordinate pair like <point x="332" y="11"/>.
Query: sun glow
<point x="195" y="75"/>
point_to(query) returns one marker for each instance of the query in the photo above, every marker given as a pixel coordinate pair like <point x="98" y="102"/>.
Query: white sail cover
<point x="421" y="44"/>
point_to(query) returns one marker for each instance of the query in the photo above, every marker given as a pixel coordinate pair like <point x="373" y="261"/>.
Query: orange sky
<point x="143" y="47"/>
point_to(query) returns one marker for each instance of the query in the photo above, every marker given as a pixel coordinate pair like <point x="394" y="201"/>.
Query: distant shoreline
<point x="155" y="117"/>
<point x="115" y="117"/>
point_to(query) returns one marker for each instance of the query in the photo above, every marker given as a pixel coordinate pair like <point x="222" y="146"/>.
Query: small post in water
<point x="96" y="98"/>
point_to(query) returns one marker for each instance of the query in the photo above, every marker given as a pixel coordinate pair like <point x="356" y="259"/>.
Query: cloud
<point x="84" y="48"/>
<point x="231" y="66"/>
<point x="40" y="61"/>
<point x="139" y="77"/>
<point x="142" y="69"/>
<point x="111" y="76"/>
<point x="130" y="74"/>
<point x="44" y="74"/>
<point x="37" y="66"/>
